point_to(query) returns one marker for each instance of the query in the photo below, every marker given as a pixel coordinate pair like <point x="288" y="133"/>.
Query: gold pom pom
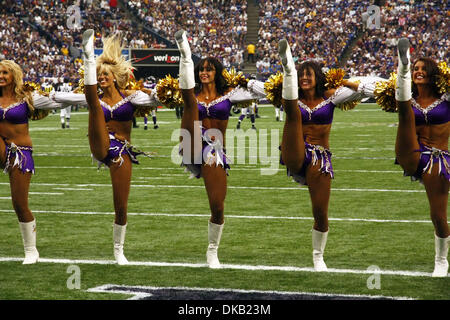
<point x="349" y="105"/>
<point x="334" y="78"/>
<point x="385" y="94"/>
<point x="168" y="92"/>
<point x="273" y="88"/>
<point x="234" y="78"/>
<point x="36" y="114"/>
<point x="31" y="86"/>
<point x="80" y="88"/>
<point x="443" y="81"/>
<point x="132" y="84"/>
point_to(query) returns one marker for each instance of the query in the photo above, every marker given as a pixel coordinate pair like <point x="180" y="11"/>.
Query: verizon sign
<point x="155" y="57"/>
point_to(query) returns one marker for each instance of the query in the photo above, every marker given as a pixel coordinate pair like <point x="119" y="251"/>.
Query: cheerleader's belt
<point x="313" y="154"/>
<point x="118" y="148"/>
<point x="20" y="157"/>
<point x="430" y="157"/>
<point x="213" y="153"/>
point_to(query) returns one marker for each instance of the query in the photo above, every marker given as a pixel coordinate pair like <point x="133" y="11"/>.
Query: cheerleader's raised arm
<point x="137" y="97"/>
<point x="254" y="91"/>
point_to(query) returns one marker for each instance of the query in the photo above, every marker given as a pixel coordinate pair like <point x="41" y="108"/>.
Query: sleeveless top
<point x="16" y="113"/>
<point x="219" y="108"/>
<point x="320" y="114"/>
<point x="121" y="111"/>
<point x="436" y="113"/>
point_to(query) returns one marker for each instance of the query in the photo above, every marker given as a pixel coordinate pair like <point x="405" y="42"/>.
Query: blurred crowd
<point x="317" y="30"/>
<point x="44" y="36"/>
<point x="215" y="28"/>
<point x="425" y="23"/>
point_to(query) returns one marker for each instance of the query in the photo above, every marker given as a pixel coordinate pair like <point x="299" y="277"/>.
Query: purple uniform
<point x="16" y="113"/>
<point x="20" y="156"/>
<point x="121" y="111"/>
<point x="320" y="114"/>
<point x="436" y="113"/>
<point x="212" y="151"/>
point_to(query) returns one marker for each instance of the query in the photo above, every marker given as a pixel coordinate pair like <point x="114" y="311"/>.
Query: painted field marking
<point x="73" y="189"/>
<point x="224" y="266"/>
<point x="235" y="168"/>
<point x="143" y="292"/>
<point x="229" y="187"/>
<point x="158" y="214"/>
<point x="47" y="193"/>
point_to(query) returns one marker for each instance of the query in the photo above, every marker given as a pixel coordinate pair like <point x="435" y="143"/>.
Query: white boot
<point x="403" y="86"/>
<point x="119" y="239"/>
<point x="319" y="241"/>
<point x="28" y="230"/>
<point x="90" y="71"/>
<point x="214" y="235"/>
<point x="186" y="77"/>
<point x="290" y="80"/>
<point x="440" y="259"/>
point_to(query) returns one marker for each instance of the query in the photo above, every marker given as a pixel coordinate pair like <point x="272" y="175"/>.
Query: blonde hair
<point x="19" y="88"/>
<point x="112" y="60"/>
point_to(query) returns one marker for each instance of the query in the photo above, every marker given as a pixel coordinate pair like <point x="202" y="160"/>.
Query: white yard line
<point x="224" y="266"/>
<point x="161" y="186"/>
<point x="231" y="216"/>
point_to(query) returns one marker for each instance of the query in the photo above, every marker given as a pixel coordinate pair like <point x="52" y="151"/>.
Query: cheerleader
<point x="110" y="121"/>
<point x="309" y="108"/>
<point x="422" y="140"/>
<point x="17" y="106"/>
<point x="207" y="104"/>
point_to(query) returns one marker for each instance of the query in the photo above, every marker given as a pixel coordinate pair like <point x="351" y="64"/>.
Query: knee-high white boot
<point x="186" y="76"/>
<point x="214" y="235"/>
<point x="440" y="259"/>
<point x="403" y="86"/>
<point x="28" y="230"/>
<point x="90" y="71"/>
<point x="119" y="239"/>
<point x="319" y="241"/>
<point x="290" y="80"/>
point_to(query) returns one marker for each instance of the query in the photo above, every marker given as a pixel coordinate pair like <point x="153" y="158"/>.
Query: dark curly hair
<point x="432" y="70"/>
<point x="318" y="74"/>
<point x="221" y="84"/>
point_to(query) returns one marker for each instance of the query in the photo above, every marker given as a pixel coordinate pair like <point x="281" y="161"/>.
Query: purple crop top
<point x="217" y="109"/>
<point x="320" y="114"/>
<point x="16" y="113"/>
<point x="121" y="111"/>
<point x="436" y="113"/>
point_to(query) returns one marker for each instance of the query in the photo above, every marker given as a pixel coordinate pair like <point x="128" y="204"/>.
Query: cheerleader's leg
<point x="20" y="184"/>
<point x="97" y="131"/>
<point x="190" y="115"/>
<point x="406" y="141"/>
<point x="215" y="179"/>
<point x="292" y="145"/>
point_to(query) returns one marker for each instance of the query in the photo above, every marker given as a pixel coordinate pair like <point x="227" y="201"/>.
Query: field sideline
<point x="381" y="241"/>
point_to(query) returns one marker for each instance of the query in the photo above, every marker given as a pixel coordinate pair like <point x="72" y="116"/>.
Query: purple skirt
<point x="313" y="153"/>
<point x="19" y="156"/>
<point x="429" y="157"/>
<point x="118" y="148"/>
<point x="212" y="153"/>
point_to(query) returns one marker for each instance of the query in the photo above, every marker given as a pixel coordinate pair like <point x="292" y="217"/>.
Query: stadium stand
<point x="36" y="32"/>
<point x="216" y="28"/>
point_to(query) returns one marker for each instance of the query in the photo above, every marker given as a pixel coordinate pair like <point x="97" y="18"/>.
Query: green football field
<point x="381" y="239"/>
